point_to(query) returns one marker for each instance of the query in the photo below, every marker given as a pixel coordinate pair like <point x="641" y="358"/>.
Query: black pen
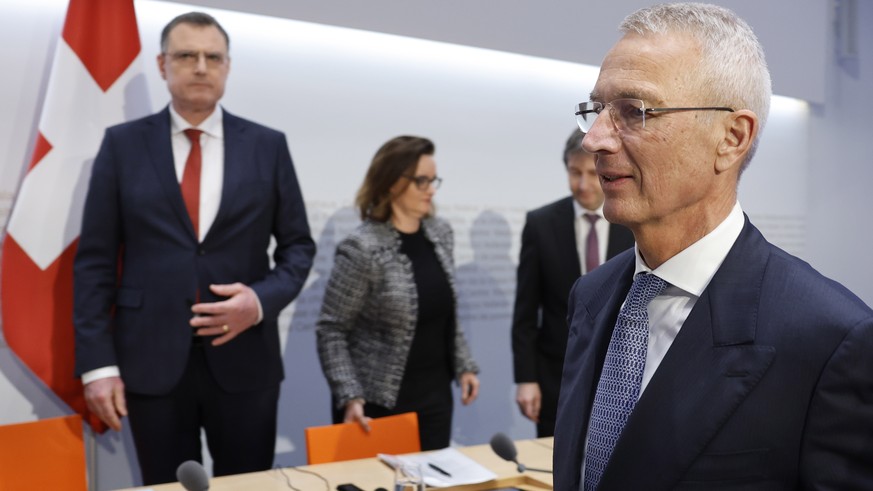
<point x="441" y="471"/>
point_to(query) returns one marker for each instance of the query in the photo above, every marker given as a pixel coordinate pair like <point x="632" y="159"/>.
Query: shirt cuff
<point x="99" y="373"/>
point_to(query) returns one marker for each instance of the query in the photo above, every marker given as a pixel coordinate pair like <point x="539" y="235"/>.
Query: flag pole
<point x="91" y="446"/>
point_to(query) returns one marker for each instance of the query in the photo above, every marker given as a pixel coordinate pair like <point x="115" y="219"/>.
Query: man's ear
<point x="162" y="67"/>
<point x="740" y="130"/>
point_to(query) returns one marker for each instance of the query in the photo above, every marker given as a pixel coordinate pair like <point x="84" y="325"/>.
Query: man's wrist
<point x="100" y="373"/>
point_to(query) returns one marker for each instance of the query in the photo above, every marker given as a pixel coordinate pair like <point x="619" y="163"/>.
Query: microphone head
<point x="504" y="447"/>
<point x="192" y="476"/>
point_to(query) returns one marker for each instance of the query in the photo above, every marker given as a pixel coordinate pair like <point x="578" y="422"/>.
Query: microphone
<point x="192" y="476"/>
<point x="504" y="447"/>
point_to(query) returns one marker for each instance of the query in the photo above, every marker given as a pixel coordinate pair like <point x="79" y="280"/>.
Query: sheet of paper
<point x="460" y="468"/>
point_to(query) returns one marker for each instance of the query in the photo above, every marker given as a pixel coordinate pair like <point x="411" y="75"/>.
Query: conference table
<point x="369" y="474"/>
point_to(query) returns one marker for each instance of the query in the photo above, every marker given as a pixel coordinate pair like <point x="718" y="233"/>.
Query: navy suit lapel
<point x="591" y="324"/>
<point x="711" y="367"/>
<point x="159" y="143"/>
<point x="238" y="152"/>
<point x="602" y="311"/>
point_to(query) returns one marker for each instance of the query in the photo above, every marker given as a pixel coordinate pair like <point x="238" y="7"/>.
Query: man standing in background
<point x="176" y="303"/>
<point x="559" y="241"/>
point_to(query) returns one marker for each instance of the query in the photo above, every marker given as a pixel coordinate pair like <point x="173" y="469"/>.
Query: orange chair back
<point x="347" y="441"/>
<point x="45" y="454"/>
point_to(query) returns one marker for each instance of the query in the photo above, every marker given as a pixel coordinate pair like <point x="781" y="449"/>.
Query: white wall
<point x="499" y="121"/>
<point x="840" y="145"/>
<point x="572" y="30"/>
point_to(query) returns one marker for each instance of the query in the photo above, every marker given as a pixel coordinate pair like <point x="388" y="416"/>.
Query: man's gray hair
<point x="732" y="69"/>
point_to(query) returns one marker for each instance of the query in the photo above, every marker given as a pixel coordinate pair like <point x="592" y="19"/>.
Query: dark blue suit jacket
<point x="135" y="220"/>
<point x="548" y="266"/>
<point x="768" y="385"/>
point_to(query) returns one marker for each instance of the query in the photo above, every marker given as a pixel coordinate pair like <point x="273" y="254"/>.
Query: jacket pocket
<point x="738" y="465"/>
<point x="129" y="298"/>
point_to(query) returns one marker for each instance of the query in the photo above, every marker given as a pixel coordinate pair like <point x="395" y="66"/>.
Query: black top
<point x="427" y="377"/>
<point x="431" y="344"/>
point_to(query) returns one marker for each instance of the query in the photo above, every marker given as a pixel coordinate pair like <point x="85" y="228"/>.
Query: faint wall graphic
<point x="336" y="227"/>
<point x="486" y="287"/>
<point x="305" y="398"/>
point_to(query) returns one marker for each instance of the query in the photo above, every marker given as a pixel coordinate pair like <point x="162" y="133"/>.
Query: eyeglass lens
<point x="625" y="114"/>
<point x="422" y="182"/>
<point x="193" y="57"/>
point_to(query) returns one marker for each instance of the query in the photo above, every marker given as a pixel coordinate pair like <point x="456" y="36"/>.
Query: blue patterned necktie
<point x="619" y="385"/>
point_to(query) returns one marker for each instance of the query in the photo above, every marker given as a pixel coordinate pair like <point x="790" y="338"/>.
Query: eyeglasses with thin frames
<point x="627" y="114"/>
<point x="192" y="58"/>
<point x="422" y="182"/>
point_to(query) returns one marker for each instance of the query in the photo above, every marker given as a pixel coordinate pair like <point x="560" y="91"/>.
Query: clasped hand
<point x="226" y="318"/>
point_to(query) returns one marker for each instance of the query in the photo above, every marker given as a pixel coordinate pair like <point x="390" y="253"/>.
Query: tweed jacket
<point x="370" y="311"/>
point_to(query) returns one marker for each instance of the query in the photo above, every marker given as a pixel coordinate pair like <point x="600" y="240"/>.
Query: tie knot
<point x="645" y="288"/>
<point x="193" y="135"/>
<point x="591" y="217"/>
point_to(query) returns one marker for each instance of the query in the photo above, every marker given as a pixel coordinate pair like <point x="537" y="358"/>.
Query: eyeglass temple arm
<point x="664" y="109"/>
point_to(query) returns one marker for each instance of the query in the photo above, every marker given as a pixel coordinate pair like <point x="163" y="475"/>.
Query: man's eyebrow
<point x="636" y="94"/>
<point x="625" y="94"/>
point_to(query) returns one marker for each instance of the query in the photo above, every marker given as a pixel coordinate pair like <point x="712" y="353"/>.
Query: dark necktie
<point x="622" y="376"/>
<point x="191" y="179"/>
<point x="592" y="247"/>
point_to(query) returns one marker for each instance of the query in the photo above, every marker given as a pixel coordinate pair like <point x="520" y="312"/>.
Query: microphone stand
<point x="522" y="468"/>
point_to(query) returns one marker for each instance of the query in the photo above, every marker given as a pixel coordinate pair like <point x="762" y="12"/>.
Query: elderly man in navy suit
<point x="176" y="300"/>
<point x="706" y="357"/>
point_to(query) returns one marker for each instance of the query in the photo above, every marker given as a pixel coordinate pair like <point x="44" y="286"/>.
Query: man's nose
<point x="601" y="135"/>
<point x="201" y="62"/>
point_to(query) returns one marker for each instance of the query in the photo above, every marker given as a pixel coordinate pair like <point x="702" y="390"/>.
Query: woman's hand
<point x="469" y="387"/>
<point x="355" y="414"/>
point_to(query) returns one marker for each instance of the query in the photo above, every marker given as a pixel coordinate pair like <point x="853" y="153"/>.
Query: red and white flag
<point x="96" y="81"/>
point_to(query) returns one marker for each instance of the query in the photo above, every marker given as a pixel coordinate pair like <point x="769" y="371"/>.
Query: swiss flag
<point x="96" y="81"/>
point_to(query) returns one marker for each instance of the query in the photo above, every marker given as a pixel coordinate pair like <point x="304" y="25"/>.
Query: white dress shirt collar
<point x="693" y="268"/>
<point x="213" y="125"/>
<point x="579" y="210"/>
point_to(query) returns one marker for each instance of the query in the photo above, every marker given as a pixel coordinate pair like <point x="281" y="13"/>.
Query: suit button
<point x="201" y="252"/>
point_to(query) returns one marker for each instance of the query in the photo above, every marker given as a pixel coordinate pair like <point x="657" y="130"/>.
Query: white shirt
<point x="687" y="274"/>
<point x="583" y="226"/>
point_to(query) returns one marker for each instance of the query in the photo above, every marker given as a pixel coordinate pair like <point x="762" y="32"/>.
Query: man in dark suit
<point x="730" y="364"/>
<point x="554" y="251"/>
<point x="176" y="303"/>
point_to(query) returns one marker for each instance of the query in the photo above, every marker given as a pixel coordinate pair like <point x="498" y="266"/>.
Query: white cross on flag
<point x="96" y="81"/>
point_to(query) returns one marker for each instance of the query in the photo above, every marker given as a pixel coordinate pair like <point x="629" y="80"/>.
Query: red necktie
<point x="191" y="179"/>
<point x="592" y="247"/>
